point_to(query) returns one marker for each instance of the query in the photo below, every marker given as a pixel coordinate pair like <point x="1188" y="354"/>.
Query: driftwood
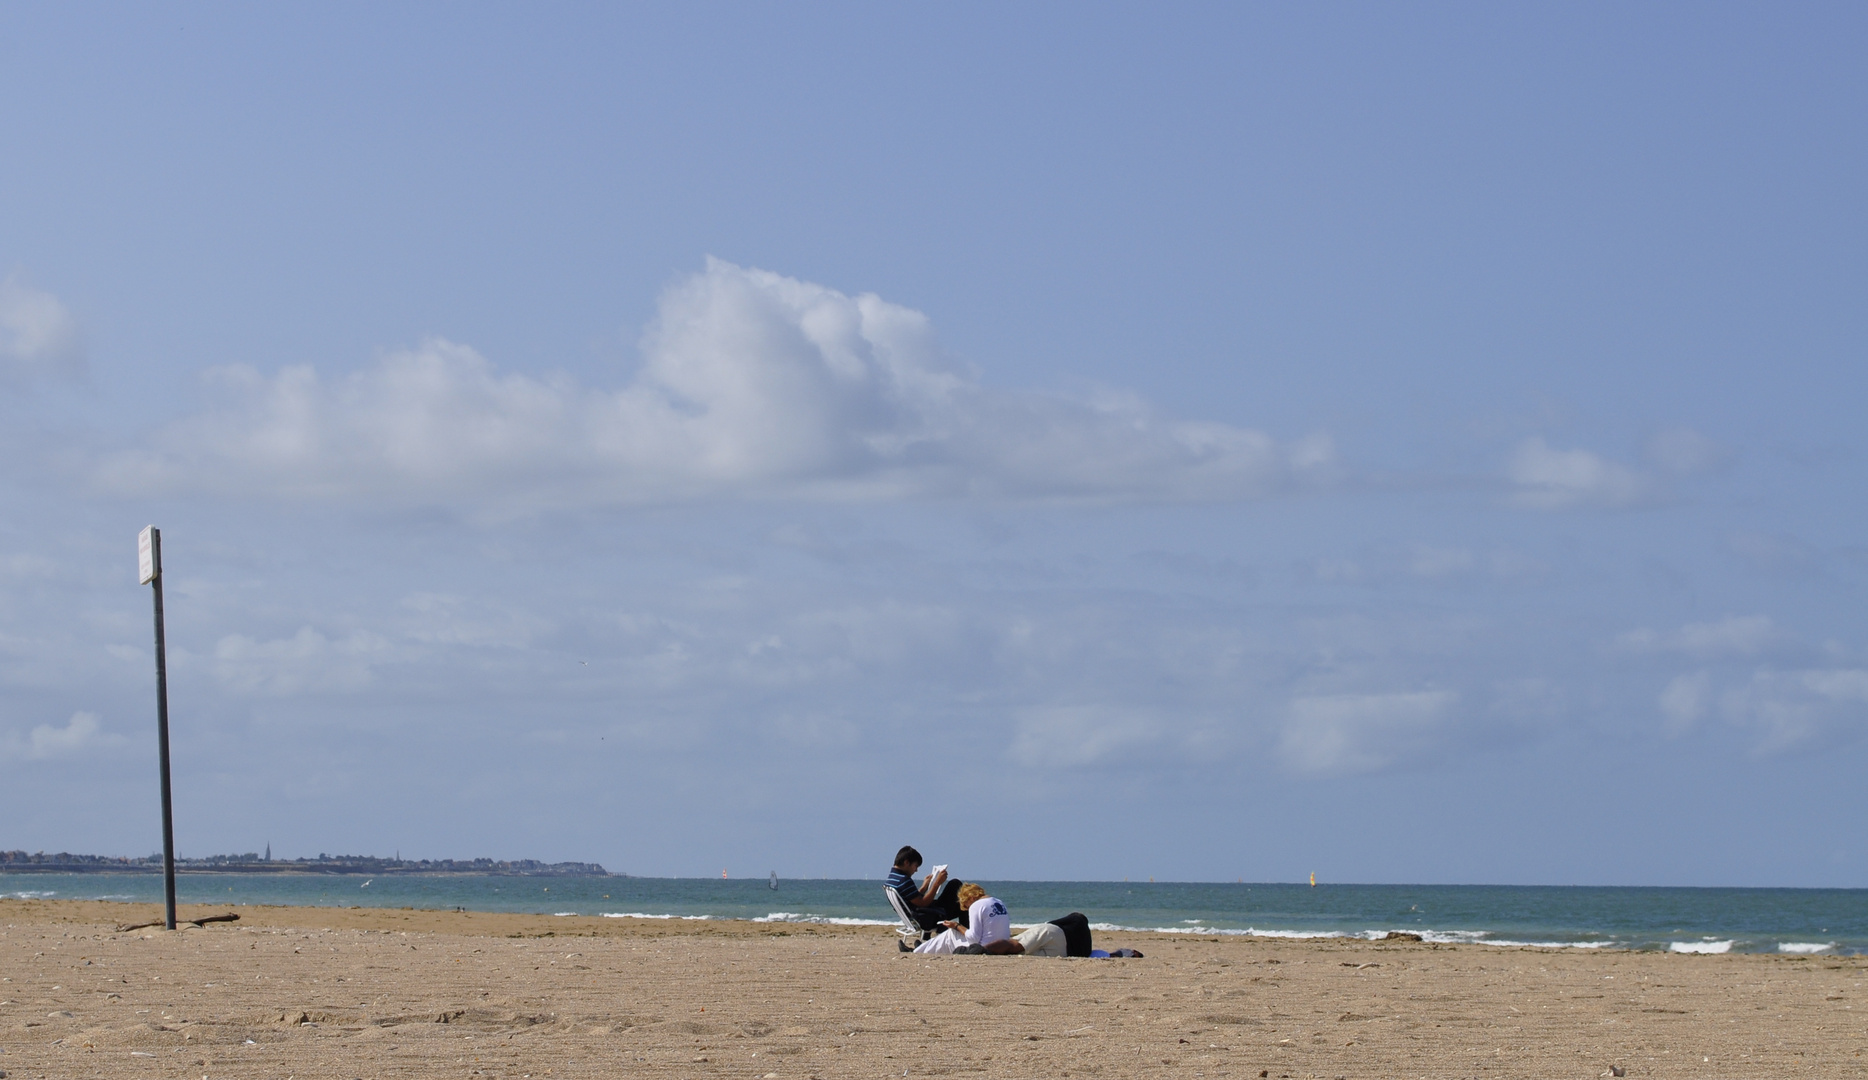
<point x="229" y="917"/>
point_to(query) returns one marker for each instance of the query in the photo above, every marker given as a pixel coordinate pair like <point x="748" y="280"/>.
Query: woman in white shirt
<point x="988" y="929"/>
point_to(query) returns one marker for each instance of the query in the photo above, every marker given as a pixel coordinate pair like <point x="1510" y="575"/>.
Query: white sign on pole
<point x="148" y="563"/>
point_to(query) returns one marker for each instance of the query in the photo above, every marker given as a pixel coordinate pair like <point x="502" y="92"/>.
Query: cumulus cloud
<point x="1784" y="709"/>
<point x="38" y="335"/>
<point x="307" y="662"/>
<point x="1684" y="452"/>
<point x="1791" y="555"/>
<point x="1443" y="563"/>
<point x="1437" y="562"/>
<point x="1545" y="478"/>
<point x="751" y="383"/>
<point x="1359" y="733"/>
<point x="1792" y="708"/>
<point x="1685" y="700"/>
<point x="81" y="734"/>
<point x="445" y="619"/>
<point x="1732" y="636"/>
<point x="1079" y="735"/>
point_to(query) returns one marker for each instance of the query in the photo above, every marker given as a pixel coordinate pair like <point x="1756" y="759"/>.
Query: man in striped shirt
<point x="935" y="900"/>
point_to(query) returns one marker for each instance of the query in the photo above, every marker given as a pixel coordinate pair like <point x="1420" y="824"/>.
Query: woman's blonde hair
<point x="969" y="893"/>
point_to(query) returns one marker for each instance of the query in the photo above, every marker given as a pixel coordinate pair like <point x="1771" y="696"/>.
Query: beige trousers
<point x="1043" y="940"/>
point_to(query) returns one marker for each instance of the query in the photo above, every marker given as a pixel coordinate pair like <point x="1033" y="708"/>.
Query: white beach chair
<point x="910" y="930"/>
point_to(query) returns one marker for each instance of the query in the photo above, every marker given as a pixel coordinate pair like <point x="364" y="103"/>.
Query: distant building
<point x="253" y="862"/>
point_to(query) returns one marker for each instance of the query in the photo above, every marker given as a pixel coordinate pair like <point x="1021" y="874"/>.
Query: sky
<point x="1406" y="443"/>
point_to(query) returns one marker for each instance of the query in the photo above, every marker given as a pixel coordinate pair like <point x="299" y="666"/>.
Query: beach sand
<point x="367" y="993"/>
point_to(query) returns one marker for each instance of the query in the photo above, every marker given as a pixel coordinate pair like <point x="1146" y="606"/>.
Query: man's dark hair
<point x="907" y="855"/>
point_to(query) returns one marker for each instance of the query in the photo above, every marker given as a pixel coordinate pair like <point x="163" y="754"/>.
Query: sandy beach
<point x="365" y="993"/>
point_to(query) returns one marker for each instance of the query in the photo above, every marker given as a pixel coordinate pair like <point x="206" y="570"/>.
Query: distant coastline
<point x="64" y="862"/>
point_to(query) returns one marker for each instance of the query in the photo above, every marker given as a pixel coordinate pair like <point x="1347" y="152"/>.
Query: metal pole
<point x="162" y="737"/>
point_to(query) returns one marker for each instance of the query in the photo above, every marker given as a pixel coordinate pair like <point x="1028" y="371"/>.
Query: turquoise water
<point x="1793" y="921"/>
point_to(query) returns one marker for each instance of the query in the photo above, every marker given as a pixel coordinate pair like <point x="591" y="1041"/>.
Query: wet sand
<point x="367" y="993"/>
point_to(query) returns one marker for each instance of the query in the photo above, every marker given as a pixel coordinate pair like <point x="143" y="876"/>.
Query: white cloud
<point x="1546" y="478"/>
<point x="1433" y="562"/>
<point x="445" y="619"/>
<point x="1685" y="700"/>
<point x="1780" y="553"/>
<point x="307" y="662"/>
<point x="752" y="383"/>
<point x="1338" y="571"/>
<point x="1079" y="735"/>
<point x="1685" y="452"/>
<point x="1793" y="708"/>
<point x="1447" y="564"/>
<point x="38" y="336"/>
<point x="1732" y="636"/>
<point x="1381" y="566"/>
<point x="81" y="733"/>
<point x="1357" y="733"/>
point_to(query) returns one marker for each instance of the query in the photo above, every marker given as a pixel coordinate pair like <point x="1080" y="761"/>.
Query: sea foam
<point x="1437" y="937"/>
<point x="1700" y="947"/>
<point x="826" y="920"/>
<point x="1247" y="932"/>
<point x="1804" y="948"/>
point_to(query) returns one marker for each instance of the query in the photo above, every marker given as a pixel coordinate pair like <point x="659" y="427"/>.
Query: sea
<point x="1824" y="922"/>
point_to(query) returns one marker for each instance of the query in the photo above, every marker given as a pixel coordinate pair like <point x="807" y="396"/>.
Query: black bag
<point x="1076" y="928"/>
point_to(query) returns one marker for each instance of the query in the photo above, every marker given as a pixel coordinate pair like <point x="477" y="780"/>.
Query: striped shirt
<point x="905" y="886"/>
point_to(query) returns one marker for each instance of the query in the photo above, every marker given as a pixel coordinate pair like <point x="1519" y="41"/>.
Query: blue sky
<point x="1414" y="445"/>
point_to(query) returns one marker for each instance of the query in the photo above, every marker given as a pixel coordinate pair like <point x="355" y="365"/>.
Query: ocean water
<point x="1789" y="921"/>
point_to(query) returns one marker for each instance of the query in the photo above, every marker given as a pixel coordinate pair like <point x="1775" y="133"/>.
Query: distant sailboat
<point x="774" y="881"/>
<point x="1313" y="879"/>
